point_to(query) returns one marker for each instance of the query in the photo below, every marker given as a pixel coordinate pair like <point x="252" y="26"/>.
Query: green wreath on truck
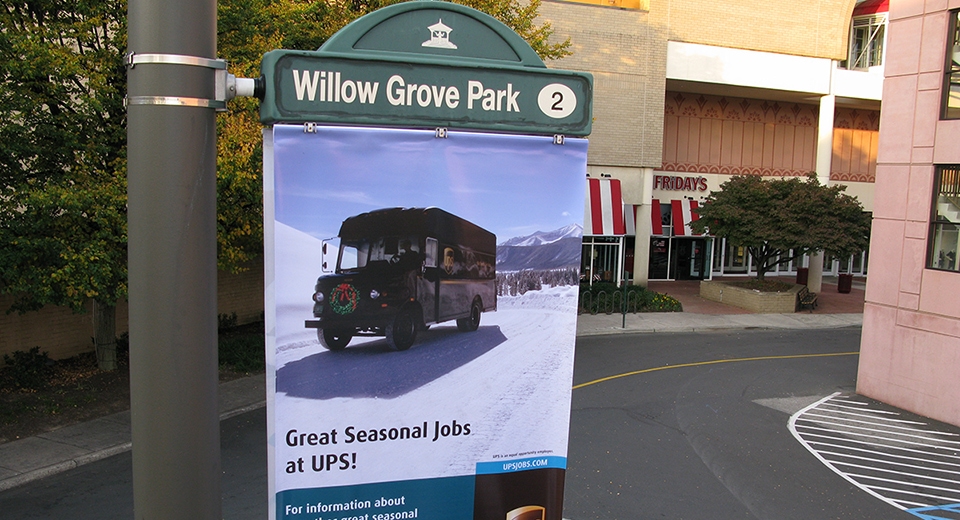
<point x="344" y="299"/>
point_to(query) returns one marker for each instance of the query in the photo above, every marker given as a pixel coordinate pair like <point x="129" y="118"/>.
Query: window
<point x="951" y="82"/>
<point x="945" y="227"/>
<point x="666" y="218"/>
<point x="432" y="248"/>
<point x="601" y="259"/>
<point x="866" y="41"/>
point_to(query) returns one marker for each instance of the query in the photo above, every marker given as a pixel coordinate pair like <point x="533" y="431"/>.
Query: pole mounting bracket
<point x="133" y="59"/>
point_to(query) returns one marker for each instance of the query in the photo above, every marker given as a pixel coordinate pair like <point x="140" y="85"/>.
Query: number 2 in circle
<point x="556" y="101"/>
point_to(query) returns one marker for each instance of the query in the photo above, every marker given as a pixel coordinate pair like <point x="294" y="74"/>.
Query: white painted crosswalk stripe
<point x="911" y="464"/>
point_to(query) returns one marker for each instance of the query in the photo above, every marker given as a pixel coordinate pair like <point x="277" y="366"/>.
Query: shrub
<point x="605" y="297"/>
<point x="26" y="370"/>
<point x="226" y="321"/>
<point x="242" y="353"/>
<point x="241" y="348"/>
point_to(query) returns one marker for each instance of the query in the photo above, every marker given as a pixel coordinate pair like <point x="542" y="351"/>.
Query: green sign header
<point x="426" y="64"/>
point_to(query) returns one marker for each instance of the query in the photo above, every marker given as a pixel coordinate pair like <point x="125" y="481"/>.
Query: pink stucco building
<point x="910" y="351"/>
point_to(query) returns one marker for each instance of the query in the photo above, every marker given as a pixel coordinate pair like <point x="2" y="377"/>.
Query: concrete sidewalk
<point x="692" y="322"/>
<point x="834" y="310"/>
<point x="66" y="448"/>
<point x="50" y="453"/>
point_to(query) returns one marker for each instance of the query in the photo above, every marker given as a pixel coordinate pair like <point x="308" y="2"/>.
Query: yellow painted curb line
<point x="714" y="362"/>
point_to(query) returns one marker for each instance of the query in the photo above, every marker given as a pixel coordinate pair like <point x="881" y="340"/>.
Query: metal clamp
<point x="440" y="133"/>
<point x="558" y="139"/>
<point x="226" y="85"/>
<point x="175" y="101"/>
<point x="133" y="59"/>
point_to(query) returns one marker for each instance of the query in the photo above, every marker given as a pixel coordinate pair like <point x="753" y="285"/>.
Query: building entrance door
<point x="659" y="258"/>
<point x="690" y="259"/>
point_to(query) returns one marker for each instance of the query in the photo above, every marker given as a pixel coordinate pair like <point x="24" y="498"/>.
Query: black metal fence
<point x="610" y="302"/>
<point x="607" y="298"/>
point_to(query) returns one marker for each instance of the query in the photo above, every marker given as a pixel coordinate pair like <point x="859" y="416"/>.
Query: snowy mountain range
<point x="540" y="238"/>
<point x="555" y="249"/>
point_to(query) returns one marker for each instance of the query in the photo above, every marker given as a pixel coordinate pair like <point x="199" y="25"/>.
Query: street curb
<point x="103" y="453"/>
<point x="611" y="324"/>
<point x="37" y="474"/>
<point x="242" y="410"/>
<point x="670" y="330"/>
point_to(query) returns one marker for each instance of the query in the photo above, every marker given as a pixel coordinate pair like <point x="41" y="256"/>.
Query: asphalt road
<point x="706" y="440"/>
<point x="104" y="489"/>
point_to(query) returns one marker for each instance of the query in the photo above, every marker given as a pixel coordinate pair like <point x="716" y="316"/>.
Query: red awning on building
<point x="871" y="7"/>
<point x="683" y="215"/>
<point x="656" y="220"/>
<point x="604" y="208"/>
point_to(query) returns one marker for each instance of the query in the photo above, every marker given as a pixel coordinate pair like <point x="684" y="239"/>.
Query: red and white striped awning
<point x="656" y="222"/>
<point x="608" y="215"/>
<point x="683" y="216"/>
<point x="604" y="214"/>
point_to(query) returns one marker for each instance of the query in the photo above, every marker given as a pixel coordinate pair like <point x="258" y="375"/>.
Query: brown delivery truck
<point x="398" y="271"/>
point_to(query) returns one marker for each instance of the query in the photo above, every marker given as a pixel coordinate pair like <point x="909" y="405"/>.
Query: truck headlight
<point x="318" y="297"/>
<point x="374" y="294"/>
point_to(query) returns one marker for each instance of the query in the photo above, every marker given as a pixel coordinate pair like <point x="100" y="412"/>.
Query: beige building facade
<point x="690" y="92"/>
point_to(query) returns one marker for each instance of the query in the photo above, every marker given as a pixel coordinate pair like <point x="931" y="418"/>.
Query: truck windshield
<point x="359" y="254"/>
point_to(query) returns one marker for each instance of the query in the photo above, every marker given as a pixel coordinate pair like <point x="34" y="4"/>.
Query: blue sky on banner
<point x="511" y="185"/>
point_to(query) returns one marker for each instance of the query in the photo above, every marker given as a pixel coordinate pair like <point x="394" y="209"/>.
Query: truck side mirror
<point x="325" y="259"/>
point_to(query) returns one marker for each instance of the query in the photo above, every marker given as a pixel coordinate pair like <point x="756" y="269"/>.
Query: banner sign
<point x="334" y="90"/>
<point x="426" y="64"/>
<point x="422" y="208"/>
<point x="421" y="318"/>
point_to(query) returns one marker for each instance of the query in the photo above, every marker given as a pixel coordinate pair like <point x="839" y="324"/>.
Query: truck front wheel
<point x="471" y="322"/>
<point x="402" y="332"/>
<point x="334" y="339"/>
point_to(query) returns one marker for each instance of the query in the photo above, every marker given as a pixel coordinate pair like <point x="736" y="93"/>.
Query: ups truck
<point x="400" y="270"/>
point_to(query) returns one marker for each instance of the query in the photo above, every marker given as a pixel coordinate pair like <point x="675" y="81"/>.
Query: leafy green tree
<point x="780" y="220"/>
<point x="63" y="140"/>
<point x="62" y="158"/>
<point x="248" y="29"/>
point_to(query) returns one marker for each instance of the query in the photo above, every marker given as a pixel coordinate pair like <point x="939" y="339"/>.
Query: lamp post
<point x="171" y="197"/>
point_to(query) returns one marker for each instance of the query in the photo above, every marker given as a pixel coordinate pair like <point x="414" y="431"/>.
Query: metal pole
<point x="623" y="303"/>
<point x="171" y="153"/>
